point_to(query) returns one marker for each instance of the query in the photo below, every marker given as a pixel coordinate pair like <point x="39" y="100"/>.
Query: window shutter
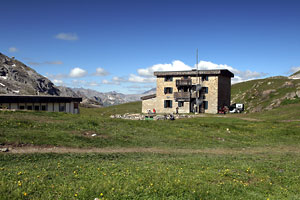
<point x="171" y="78"/>
<point x="165" y="104"/>
<point x="171" y="103"/>
<point x="171" y="90"/>
<point x="205" y="105"/>
<point x="165" y="90"/>
<point x="206" y="90"/>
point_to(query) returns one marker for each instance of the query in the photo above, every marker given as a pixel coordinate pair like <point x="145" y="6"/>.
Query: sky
<point x="116" y="45"/>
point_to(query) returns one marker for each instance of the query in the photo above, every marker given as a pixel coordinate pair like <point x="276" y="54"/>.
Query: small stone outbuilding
<point x="40" y="103"/>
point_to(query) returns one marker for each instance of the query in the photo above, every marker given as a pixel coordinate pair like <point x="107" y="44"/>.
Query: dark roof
<point x="148" y="97"/>
<point x="37" y="99"/>
<point x="223" y="72"/>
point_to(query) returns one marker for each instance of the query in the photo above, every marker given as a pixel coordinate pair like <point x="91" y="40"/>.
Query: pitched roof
<point x="148" y="97"/>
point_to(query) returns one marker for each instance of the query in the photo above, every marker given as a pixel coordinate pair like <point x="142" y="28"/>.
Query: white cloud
<point x="100" y="72"/>
<point x="176" y="65"/>
<point x="207" y="65"/>
<point x="92" y="84"/>
<point x="58" y="62"/>
<point x="294" y="69"/>
<point x="67" y="36"/>
<point x="80" y="83"/>
<point x="105" y="81"/>
<point x="56" y="76"/>
<point x="147" y="74"/>
<point x="139" y="79"/>
<point x="77" y="73"/>
<point x="58" y="82"/>
<point x="12" y="49"/>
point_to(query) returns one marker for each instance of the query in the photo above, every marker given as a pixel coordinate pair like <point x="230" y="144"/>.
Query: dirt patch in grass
<point x="291" y="120"/>
<point x="218" y="151"/>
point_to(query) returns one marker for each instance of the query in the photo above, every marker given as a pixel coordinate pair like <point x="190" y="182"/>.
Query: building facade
<point x="40" y="103"/>
<point x="199" y="91"/>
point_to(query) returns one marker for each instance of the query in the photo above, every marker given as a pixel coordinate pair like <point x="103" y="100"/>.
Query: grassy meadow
<point x="246" y="156"/>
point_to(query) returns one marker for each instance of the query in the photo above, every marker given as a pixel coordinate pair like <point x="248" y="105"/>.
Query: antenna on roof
<point x="197" y="67"/>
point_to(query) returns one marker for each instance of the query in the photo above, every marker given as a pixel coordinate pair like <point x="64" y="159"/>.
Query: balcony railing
<point x="182" y="96"/>
<point x="184" y="82"/>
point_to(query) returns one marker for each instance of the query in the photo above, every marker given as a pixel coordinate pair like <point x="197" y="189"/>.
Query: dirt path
<point x="220" y="151"/>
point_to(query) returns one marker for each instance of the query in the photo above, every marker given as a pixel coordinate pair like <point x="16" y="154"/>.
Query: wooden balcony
<point x="184" y="82"/>
<point x="182" y="96"/>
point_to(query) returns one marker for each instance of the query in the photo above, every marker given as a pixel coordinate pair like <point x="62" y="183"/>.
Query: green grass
<point x="149" y="176"/>
<point x="60" y="129"/>
<point x="237" y="158"/>
<point x="254" y="94"/>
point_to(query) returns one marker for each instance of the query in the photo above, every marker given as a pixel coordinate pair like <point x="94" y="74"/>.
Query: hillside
<point x="266" y="94"/>
<point x="111" y="98"/>
<point x="18" y="78"/>
<point x="295" y="75"/>
<point x="211" y="157"/>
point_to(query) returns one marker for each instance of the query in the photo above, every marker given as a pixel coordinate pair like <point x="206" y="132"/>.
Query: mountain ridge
<point x="16" y="78"/>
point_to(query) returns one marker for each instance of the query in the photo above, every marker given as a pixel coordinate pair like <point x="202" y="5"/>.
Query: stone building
<point x="199" y="91"/>
<point x="40" y="103"/>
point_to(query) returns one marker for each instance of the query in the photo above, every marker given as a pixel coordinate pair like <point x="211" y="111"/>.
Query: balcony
<point x="184" y="82"/>
<point x="182" y="96"/>
<point x="194" y="95"/>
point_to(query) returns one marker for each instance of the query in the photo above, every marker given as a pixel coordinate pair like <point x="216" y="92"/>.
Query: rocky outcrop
<point x="296" y="75"/>
<point x="17" y="78"/>
<point x="137" y="116"/>
<point x="266" y="94"/>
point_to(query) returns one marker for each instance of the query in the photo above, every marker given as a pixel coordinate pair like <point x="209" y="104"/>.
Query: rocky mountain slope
<point x="295" y="75"/>
<point x="266" y="94"/>
<point x="17" y="78"/>
<point x="111" y="98"/>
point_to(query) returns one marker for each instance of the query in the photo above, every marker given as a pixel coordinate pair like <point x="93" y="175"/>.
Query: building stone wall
<point x="212" y="96"/>
<point x="149" y="104"/>
<point x="218" y="85"/>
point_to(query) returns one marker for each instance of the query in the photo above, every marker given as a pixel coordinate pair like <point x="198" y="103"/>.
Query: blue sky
<point x="116" y="45"/>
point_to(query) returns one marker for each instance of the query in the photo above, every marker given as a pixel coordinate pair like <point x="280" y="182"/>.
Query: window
<point x="29" y="107"/>
<point x="168" y="78"/>
<point x="43" y="107"/>
<point x="36" y="108"/>
<point x="204" y="78"/>
<point x="205" y="89"/>
<point x="168" y="104"/>
<point x="185" y="77"/>
<point x="22" y="107"/>
<point x="75" y="105"/>
<point x="204" y="97"/>
<point x="61" y="108"/>
<point x="205" y="105"/>
<point x="168" y="90"/>
<point x="180" y="103"/>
